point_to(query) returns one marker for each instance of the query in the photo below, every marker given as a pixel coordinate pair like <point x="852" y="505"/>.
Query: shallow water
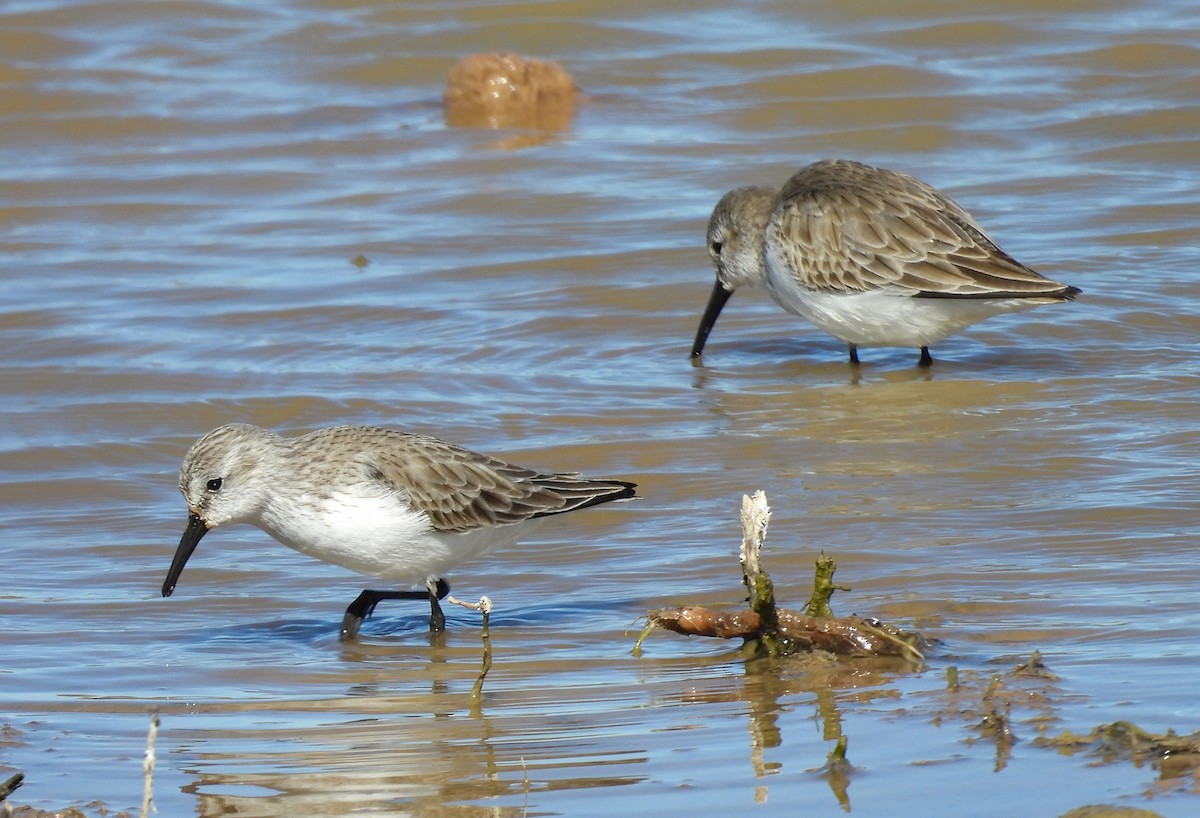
<point x="186" y="191"/>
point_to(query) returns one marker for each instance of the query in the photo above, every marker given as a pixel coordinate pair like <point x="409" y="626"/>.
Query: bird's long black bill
<point x="195" y="530"/>
<point x="716" y="302"/>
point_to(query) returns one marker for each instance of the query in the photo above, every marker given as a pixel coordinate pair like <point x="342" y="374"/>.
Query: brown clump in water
<point x="502" y="90"/>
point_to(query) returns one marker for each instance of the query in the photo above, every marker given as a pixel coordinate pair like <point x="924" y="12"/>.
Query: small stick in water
<point x="148" y="767"/>
<point x="484" y="606"/>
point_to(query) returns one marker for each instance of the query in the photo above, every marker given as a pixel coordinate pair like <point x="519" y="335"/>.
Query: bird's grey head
<point x="217" y="477"/>
<point x="735" y="235"/>
<point x="735" y="240"/>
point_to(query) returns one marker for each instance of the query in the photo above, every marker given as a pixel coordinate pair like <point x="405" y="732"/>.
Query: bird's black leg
<point x="365" y="603"/>
<point x="437" y="590"/>
<point x="926" y="358"/>
<point x="853" y="353"/>
<point x="361" y="608"/>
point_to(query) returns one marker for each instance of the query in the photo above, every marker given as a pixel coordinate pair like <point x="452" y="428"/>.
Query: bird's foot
<point x="350" y="624"/>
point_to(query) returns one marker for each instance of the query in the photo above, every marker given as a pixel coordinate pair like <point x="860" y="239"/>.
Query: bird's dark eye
<point x="716" y="248"/>
<point x="214" y="484"/>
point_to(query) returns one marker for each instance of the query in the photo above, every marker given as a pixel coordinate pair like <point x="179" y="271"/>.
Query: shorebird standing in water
<point x="402" y="507"/>
<point x="874" y="257"/>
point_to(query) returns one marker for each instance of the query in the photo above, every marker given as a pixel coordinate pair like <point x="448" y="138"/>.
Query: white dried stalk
<point x="756" y="514"/>
<point x="484" y="604"/>
<point x="148" y="767"/>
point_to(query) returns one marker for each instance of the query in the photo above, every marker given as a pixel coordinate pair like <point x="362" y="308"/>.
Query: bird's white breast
<point x="886" y="317"/>
<point x="378" y="534"/>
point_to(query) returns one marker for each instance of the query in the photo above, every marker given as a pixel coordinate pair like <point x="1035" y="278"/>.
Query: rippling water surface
<point x="212" y="212"/>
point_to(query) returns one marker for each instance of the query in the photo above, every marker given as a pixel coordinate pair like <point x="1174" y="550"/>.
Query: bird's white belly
<point x="380" y="536"/>
<point x="883" y="318"/>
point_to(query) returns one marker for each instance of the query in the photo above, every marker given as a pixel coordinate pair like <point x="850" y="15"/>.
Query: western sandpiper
<point x="402" y="507"/>
<point x="874" y="257"/>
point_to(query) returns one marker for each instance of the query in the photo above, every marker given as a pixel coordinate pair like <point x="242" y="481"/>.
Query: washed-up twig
<point x="846" y="636"/>
<point x="10" y="785"/>
<point x="148" y="767"/>
<point x="779" y="631"/>
<point x="484" y="606"/>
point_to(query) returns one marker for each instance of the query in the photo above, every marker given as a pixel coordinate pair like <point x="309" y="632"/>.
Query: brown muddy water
<point x="185" y="190"/>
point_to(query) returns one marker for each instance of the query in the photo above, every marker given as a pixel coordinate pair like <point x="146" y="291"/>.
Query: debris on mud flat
<point x="775" y="631"/>
<point x="1174" y="756"/>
